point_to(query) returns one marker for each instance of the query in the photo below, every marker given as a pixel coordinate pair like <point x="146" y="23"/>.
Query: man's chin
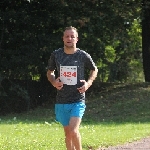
<point x="67" y="46"/>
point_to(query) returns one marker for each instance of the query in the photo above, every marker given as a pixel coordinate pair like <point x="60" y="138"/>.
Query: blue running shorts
<point x="64" y="112"/>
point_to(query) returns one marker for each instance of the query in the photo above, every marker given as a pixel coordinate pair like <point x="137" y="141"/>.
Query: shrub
<point x="13" y="98"/>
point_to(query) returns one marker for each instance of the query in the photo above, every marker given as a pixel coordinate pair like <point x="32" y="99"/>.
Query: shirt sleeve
<point x="51" y="63"/>
<point x="89" y="63"/>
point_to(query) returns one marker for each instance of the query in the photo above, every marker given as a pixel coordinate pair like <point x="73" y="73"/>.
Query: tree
<point x="31" y="30"/>
<point x="146" y="39"/>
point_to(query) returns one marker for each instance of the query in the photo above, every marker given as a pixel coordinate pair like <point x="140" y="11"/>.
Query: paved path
<point x="143" y="144"/>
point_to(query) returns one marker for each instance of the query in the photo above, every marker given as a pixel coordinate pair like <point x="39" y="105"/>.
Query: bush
<point x="13" y="98"/>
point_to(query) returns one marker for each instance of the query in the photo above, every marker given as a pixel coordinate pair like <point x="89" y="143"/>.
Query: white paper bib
<point x="68" y="75"/>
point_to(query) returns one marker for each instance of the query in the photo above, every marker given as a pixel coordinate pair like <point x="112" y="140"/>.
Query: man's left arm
<point x="92" y="76"/>
<point x="88" y="83"/>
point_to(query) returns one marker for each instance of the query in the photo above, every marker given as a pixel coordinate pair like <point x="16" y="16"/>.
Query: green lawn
<point x="119" y="114"/>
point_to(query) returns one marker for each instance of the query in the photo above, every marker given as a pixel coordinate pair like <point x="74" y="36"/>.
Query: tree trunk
<point x="146" y="40"/>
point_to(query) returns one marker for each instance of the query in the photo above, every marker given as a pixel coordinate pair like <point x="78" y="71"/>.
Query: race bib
<point x="68" y="75"/>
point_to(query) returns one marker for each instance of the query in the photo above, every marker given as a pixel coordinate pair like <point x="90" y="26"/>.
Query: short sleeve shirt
<point x="77" y="63"/>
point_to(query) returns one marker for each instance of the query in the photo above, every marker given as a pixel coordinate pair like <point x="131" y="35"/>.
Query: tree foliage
<point x="31" y="30"/>
<point x="109" y="30"/>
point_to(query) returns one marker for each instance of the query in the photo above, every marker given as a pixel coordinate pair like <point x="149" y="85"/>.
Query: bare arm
<point x="92" y="77"/>
<point x="55" y="82"/>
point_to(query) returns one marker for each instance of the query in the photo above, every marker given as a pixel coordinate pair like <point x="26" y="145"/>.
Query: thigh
<point x="74" y="123"/>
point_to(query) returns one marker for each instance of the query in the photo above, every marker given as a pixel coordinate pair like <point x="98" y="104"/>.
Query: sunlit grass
<point x="16" y="135"/>
<point x="112" y="117"/>
<point x="107" y="134"/>
<point x="31" y="136"/>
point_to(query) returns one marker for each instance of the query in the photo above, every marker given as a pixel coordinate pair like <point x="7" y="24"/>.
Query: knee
<point x="74" y="133"/>
<point x="71" y="133"/>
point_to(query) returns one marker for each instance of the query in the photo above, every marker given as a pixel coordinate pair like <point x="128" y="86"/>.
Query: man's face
<point x="70" y="38"/>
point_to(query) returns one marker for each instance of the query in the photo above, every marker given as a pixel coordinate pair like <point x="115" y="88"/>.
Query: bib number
<point x="68" y="75"/>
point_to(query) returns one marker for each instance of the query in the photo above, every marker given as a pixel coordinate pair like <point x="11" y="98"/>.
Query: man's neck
<point x="68" y="50"/>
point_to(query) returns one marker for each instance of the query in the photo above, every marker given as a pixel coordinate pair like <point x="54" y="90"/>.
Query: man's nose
<point x="69" y="38"/>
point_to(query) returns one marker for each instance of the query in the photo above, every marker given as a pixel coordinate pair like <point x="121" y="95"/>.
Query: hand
<point x="58" y="84"/>
<point x="83" y="88"/>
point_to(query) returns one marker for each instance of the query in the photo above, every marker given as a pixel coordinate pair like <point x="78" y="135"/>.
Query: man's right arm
<point x="51" y="77"/>
<point x="55" y="82"/>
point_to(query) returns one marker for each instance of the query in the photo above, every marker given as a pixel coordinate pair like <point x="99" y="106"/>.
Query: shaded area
<point x="119" y="103"/>
<point x="18" y="96"/>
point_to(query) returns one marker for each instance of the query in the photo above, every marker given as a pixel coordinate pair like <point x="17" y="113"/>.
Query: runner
<point x="70" y="63"/>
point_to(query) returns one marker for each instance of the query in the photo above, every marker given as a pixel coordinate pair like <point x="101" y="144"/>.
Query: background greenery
<point x="115" y="33"/>
<point x="110" y="31"/>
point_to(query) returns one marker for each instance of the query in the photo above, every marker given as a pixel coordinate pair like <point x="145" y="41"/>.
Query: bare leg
<point x="68" y="138"/>
<point x="73" y="138"/>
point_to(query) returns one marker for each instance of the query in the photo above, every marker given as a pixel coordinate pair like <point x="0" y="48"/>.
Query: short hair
<point x="71" y="28"/>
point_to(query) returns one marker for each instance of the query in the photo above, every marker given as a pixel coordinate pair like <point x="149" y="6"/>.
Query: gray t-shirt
<point x="81" y="59"/>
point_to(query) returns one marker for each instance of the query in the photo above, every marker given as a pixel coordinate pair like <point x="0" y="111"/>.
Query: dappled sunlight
<point x="121" y="104"/>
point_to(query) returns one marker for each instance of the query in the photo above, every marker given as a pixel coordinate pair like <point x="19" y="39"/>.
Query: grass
<point x="116" y="115"/>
